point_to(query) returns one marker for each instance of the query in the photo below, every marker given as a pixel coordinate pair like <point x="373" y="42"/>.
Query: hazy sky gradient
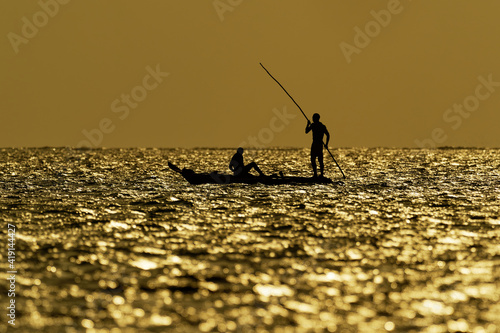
<point x="396" y="90"/>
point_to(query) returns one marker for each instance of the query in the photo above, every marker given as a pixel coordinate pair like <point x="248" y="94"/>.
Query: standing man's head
<point x="240" y="150"/>
<point x="316" y="117"/>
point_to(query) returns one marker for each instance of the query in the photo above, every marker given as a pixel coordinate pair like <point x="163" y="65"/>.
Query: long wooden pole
<point x="304" y="116"/>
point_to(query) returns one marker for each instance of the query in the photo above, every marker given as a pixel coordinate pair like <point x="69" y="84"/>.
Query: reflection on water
<point x="114" y="239"/>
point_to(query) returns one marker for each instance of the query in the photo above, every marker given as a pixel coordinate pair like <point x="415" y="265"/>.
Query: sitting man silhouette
<point x="238" y="167"/>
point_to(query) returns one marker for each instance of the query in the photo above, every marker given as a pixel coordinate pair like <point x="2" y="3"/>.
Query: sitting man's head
<point x="240" y="150"/>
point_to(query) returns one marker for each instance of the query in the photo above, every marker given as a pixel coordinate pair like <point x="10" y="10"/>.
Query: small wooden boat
<point x="218" y="178"/>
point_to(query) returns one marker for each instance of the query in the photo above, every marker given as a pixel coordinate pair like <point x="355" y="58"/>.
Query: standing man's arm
<point x="327" y="136"/>
<point x="308" y="127"/>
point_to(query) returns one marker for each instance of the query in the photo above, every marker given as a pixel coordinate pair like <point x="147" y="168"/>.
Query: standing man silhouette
<point x="319" y="130"/>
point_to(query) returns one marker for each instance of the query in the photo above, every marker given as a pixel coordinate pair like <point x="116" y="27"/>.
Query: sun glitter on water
<point x="112" y="240"/>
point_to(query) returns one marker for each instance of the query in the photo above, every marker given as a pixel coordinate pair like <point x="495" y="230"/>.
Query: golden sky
<point x="123" y="73"/>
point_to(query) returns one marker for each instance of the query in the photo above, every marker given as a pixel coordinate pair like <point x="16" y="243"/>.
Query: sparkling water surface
<point x="111" y="240"/>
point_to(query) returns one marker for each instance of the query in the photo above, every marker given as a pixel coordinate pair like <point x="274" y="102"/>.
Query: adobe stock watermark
<point x="11" y="273"/>
<point x="30" y="27"/>
<point x="225" y="6"/>
<point x="456" y="114"/>
<point x="123" y="105"/>
<point x="373" y="28"/>
<point x="266" y="135"/>
<point x="277" y="124"/>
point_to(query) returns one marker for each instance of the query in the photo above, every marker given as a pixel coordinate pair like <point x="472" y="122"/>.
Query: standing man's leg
<point x="313" y="163"/>
<point x="316" y="152"/>
<point x="321" y="165"/>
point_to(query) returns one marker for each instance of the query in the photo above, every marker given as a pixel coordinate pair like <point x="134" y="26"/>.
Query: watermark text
<point x="277" y="124"/>
<point x="225" y="6"/>
<point x="456" y="114"/>
<point x="123" y="105"/>
<point x="11" y="273"/>
<point x="373" y="28"/>
<point x="30" y="27"/>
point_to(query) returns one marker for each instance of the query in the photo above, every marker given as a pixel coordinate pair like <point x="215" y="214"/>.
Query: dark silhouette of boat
<point x="218" y="178"/>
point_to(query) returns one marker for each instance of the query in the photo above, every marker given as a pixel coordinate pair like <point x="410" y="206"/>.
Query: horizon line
<point x="248" y="148"/>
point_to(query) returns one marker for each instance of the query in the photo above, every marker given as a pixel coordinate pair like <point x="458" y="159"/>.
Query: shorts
<point x="317" y="149"/>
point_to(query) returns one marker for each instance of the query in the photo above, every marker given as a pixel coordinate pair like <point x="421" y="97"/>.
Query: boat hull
<point x="217" y="178"/>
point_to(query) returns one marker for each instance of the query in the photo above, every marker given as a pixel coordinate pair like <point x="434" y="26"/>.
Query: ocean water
<point x="111" y="240"/>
